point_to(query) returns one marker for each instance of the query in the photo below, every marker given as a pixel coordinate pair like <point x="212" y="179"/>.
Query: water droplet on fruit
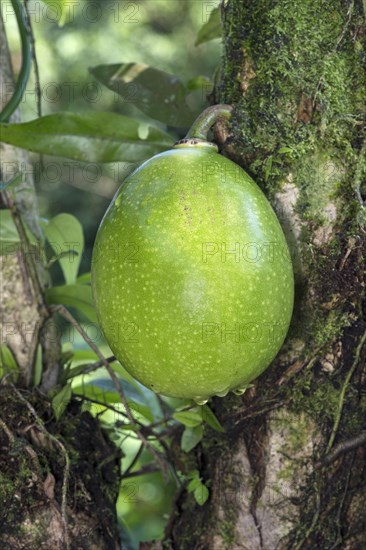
<point x="239" y="391"/>
<point x="200" y="400"/>
<point x="222" y="393"/>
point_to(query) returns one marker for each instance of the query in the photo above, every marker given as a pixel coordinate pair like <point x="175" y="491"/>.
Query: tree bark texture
<point x="21" y="318"/>
<point x="290" y="471"/>
<point x="59" y="481"/>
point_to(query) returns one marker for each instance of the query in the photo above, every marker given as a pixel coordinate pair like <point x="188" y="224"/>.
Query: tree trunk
<point x="59" y="481"/>
<point x="21" y="318"/>
<point x="289" y="472"/>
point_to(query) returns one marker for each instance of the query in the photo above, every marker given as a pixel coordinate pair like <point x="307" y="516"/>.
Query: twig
<point x="163" y="408"/>
<point x="10" y="435"/>
<point x="148" y="469"/>
<point x="35" y="61"/>
<point x="112" y="456"/>
<point x="297" y="367"/>
<point x="146" y="429"/>
<point x="343" y="392"/>
<point x="246" y="410"/>
<point x="358" y="173"/>
<point x="133" y="463"/>
<point x="259" y="412"/>
<point x="343" y="447"/>
<point x="351" y="246"/>
<point x="89" y="367"/>
<point x="29" y="258"/>
<point x="67" y="315"/>
<point x="22" y="80"/>
<point x="58" y="443"/>
<point x="106" y="405"/>
<point x="28" y="449"/>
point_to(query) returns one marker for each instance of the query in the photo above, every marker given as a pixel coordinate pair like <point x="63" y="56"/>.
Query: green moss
<point x="296" y="75"/>
<point x="286" y="474"/>
<point x="318" y="178"/>
<point x="15" y="497"/>
<point x="328" y="326"/>
<point x="295" y="72"/>
<point x="6" y="488"/>
<point x="220" y="445"/>
<point x="303" y="86"/>
<point x="317" y="398"/>
<point x="228" y="532"/>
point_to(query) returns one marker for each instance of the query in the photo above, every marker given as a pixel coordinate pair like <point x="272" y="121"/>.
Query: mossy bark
<point x="59" y="481"/>
<point x="58" y="486"/>
<point x="290" y="470"/>
<point x="21" y="318"/>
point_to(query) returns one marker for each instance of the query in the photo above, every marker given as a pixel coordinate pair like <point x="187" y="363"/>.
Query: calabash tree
<point x="289" y="472"/>
<point x="281" y="466"/>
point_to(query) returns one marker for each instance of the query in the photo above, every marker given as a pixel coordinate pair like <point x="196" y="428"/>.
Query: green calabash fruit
<point x="191" y="275"/>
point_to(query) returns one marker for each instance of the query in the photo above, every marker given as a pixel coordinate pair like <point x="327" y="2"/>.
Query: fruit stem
<point x="207" y="119"/>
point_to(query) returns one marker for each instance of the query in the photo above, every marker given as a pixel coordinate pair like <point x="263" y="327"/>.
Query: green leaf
<point x="129" y="427"/>
<point x="8" y="363"/>
<point x="12" y="182"/>
<point x="38" y="367"/>
<point x="211" y="29"/>
<point x="104" y="387"/>
<point x="201" y="494"/>
<point x="141" y="409"/>
<point x="9" y="236"/>
<point x="193" y="484"/>
<point x="61" y="400"/>
<point x="84" y="279"/>
<point x="285" y="150"/>
<point x="65" y="235"/>
<point x="83" y="355"/>
<point x="10" y="240"/>
<point x="103" y="390"/>
<point x="88" y="137"/>
<point x="160" y="95"/>
<point x="93" y="392"/>
<point x="209" y="416"/>
<point x="107" y="384"/>
<point x="78" y="296"/>
<point x="191" y="437"/>
<point x="188" y="418"/>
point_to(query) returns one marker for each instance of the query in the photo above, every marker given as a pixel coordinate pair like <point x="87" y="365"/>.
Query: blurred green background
<point x="159" y="33"/>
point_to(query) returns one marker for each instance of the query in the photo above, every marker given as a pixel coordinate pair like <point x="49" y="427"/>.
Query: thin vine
<point x="21" y="83"/>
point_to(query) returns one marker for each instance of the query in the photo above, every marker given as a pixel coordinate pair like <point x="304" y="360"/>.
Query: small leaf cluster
<point x="197" y="487"/>
<point x="193" y="421"/>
